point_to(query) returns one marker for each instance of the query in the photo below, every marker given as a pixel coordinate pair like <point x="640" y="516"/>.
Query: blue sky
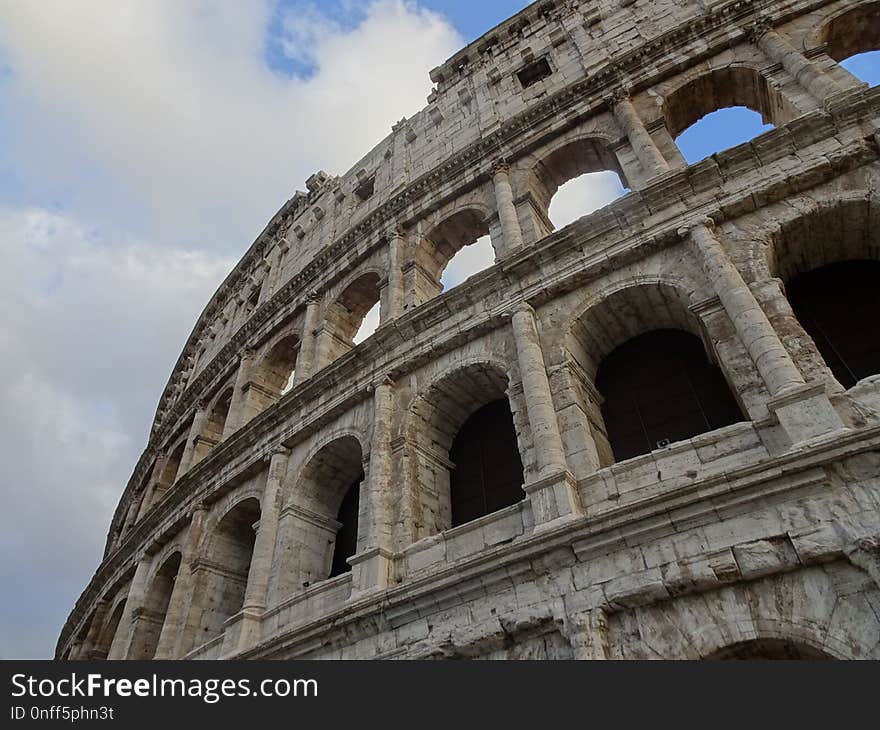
<point x="143" y="145"/>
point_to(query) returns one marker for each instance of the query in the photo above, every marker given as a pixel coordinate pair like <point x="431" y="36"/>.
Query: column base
<point x="806" y="413"/>
<point x="370" y="571"/>
<point x="242" y="631"/>
<point x="554" y="500"/>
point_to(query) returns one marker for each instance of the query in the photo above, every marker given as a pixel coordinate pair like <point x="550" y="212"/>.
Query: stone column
<point x="94" y="632"/>
<point x="257" y="591"/>
<point x="155" y="477"/>
<point x="306" y="356"/>
<point x="815" y="81"/>
<point x="236" y="406"/>
<point x="552" y="494"/>
<point x="195" y="430"/>
<point x="510" y="230"/>
<point x="134" y="602"/>
<point x="783" y="380"/>
<point x="175" y="614"/>
<point x="396" y="253"/>
<point x="371" y="567"/>
<point x="652" y="160"/>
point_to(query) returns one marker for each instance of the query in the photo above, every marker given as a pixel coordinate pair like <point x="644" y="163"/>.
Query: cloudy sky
<point x="143" y="145"/>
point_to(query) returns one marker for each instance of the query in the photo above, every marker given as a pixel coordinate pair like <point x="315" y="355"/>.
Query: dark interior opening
<point x="659" y="388"/>
<point x="488" y="473"/>
<point x="839" y="307"/>
<point x="346" y="538"/>
<point x="534" y="72"/>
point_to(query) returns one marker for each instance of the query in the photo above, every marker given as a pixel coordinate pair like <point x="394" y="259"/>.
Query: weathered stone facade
<point x="759" y="538"/>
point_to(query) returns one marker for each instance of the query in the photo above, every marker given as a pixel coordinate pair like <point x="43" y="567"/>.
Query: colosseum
<point x="653" y="433"/>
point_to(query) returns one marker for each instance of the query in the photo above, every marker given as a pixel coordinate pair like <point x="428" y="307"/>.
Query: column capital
<point x="500" y="165"/>
<point x="313" y="297"/>
<point x="760" y="27"/>
<point x="616" y="96"/>
<point x="520" y="308"/>
<point x="704" y="222"/>
<point x="280" y="450"/>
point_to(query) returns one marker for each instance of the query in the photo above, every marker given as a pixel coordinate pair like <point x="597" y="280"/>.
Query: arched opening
<point x="319" y="529"/>
<point x="274" y="376"/>
<point x="575" y="180"/>
<point x="172" y="466"/>
<point x="369" y="324"/>
<point x="838" y="306"/>
<point x="463" y="441"/>
<point x="108" y="633"/>
<point x="230" y="550"/>
<point x="346" y="537"/>
<point x="659" y="388"/>
<point x="488" y="471"/>
<point x="455" y="249"/>
<point x="212" y="430"/>
<point x="149" y="621"/>
<point x="768" y="649"/>
<point x="720" y="130"/>
<point x="344" y="317"/>
<point x="603" y="378"/>
<point x="470" y="260"/>
<point x="738" y="95"/>
<point x="584" y="195"/>
<point x="829" y="262"/>
<point x="853" y="40"/>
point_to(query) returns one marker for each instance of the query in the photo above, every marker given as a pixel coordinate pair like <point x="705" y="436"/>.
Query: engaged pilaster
<point x="236" y="406"/>
<point x="133" y="604"/>
<point x="257" y="591"/>
<point x="815" y="81"/>
<point x="510" y="230"/>
<point x="175" y="614"/>
<point x="305" y="359"/>
<point x="650" y="157"/>
<point x="804" y="411"/>
<point x="371" y="566"/>
<point x="552" y="494"/>
<point x="195" y="430"/>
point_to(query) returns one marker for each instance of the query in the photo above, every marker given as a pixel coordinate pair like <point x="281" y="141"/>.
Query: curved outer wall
<point x="761" y="534"/>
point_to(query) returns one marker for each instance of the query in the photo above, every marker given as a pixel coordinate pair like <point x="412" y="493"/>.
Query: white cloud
<point x="144" y="144"/>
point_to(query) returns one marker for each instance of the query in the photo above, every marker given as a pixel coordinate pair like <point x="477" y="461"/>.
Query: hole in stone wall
<point x="468" y="261"/>
<point x="534" y="72"/>
<point x="583" y="195"/>
<point x="720" y="130"/>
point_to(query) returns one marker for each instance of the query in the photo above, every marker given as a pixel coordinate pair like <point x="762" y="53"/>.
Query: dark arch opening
<point x="346" y="537"/>
<point x="768" y="649"/>
<point x="231" y="549"/>
<point x="344" y="317"/>
<point x="735" y="90"/>
<point x="838" y="306"/>
<point x="148" y="628"/>
<point x="488" y="472"/>
<point x="108" y="634"/>
<point x="659" y="388"/>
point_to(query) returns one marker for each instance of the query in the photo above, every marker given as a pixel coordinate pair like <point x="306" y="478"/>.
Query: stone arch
<point x="826" y="608"/>
<point x="319" y="525"/>
<point x="460" y="228"/>
<point x="172" y="466"/>
<point x="566" y="159"/>
<point x="215" y="424"/>
<point x="769" y="648"/>
<point x="436" y="417"/>
<point x="827" y="261"/>
<point x="344" y="315"/>
<point x="736" y="85"/>
<point x="598" y="346"/>
<point x="148" y="621"/>
<point x="107" y="636"/>
<point x="220" y="575"/>
<point x="273" y="374"/>
<point x="850" y="31"/>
